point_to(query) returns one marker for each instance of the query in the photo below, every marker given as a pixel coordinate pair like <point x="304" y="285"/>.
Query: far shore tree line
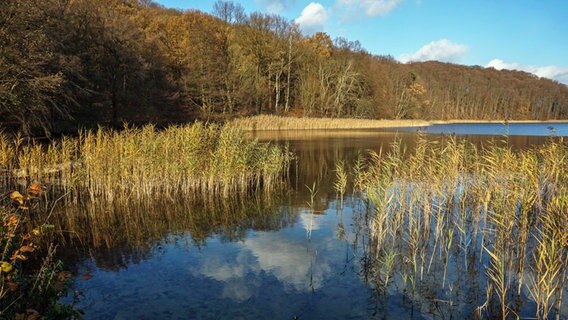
<point x="70" y="64"/>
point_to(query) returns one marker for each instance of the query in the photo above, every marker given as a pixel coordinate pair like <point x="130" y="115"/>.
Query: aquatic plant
<point x="194" y="160"/>
<point x="501" y="212"/>
<point x="311" y="204"/>
<point x="340" y="184"/>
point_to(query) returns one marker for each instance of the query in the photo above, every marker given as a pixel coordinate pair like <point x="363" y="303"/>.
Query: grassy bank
<point x="453" y="206"/>
<point x="193" y="160"/>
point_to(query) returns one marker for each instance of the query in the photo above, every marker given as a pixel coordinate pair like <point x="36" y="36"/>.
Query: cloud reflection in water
<point x="299" y="264"/>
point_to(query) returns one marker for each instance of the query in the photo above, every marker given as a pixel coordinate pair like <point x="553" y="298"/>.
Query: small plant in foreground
<point x="31" y="280"/>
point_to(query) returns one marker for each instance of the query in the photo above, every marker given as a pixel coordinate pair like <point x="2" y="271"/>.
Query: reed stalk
<point x="194" y="160"/>
<point x="340" y="184"/>
<point x="450" y="199"/>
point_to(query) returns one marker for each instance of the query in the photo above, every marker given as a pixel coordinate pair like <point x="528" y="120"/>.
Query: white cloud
<point x="371" y="8"/>
<point x="559" y="74"/>
<point x="442" y="50"/>
<point x="312" y="18"/>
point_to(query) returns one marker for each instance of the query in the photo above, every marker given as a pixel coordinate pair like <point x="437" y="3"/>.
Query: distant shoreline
<point x="270" y="122"/>
<point x="495" y="121"/>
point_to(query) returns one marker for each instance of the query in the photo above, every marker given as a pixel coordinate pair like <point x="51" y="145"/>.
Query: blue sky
<point x="529" y="35"/>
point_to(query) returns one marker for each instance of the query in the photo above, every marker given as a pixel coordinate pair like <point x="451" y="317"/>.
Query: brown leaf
<point x="36" y="189"/>
<point x="26" y="249"/>
<point x="32" y="314"/>
<point x="59" y="286"/>
<point x="18" y="256"/>
<point x="18" y="197"/>
<point x="87" y="276"/>
<point x="12" y="286"/>
<point x="64" y="275"/>
<point x="11" y="220"/>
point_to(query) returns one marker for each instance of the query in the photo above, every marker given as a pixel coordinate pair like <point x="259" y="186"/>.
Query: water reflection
<point x="278" y="274"/>
<point x="118" y="234"/>
<point x="275" y="257"/>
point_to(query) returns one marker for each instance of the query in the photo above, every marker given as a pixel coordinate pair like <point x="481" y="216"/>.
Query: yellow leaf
<point x="36" y="232"/>
<point x="5" y="267"/>
<point x="18" y="197"/>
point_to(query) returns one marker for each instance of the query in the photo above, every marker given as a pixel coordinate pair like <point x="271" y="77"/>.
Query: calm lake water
<point x="279" y="258"/>
<point x="559" y="129"/>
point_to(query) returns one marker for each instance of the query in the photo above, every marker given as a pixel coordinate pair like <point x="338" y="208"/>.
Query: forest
<point x="72" y="64"/>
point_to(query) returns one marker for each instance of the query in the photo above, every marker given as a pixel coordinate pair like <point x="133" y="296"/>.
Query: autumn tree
<point x="229" y="12"/>
<point x="29" y="85"/>
<point x="67" y="64"/>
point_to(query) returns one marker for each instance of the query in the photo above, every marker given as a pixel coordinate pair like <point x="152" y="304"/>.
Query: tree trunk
<point x="287" y="103"/>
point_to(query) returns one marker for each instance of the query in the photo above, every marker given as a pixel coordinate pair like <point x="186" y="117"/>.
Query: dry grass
<point x="268" y="122"/>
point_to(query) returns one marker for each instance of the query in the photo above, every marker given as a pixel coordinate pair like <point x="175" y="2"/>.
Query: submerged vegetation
<point x="193" y="160"/>
<point x="487" y="210"/>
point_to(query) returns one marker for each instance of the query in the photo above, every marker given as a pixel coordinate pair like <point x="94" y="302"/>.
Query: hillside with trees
<point x="69" y="64"/>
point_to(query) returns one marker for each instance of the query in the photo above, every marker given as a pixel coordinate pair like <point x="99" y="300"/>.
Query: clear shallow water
<point x="278" y="261"/>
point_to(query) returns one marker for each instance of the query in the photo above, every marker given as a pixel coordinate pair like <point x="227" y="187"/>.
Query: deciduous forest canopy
<point x="69" y="64"/>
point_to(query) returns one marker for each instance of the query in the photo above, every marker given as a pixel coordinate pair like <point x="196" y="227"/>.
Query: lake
<point x="296" y="255"/>
<point x="558" y="129"/>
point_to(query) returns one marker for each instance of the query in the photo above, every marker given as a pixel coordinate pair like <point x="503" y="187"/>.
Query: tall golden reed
<point x="450" y="200"/>
<point x="194" y="160"/>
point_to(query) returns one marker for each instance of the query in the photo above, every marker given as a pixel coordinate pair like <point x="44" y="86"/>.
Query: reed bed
<point x="487" y="210"/>
<point x="136" y="163"/>
<point x="269" y="122"/>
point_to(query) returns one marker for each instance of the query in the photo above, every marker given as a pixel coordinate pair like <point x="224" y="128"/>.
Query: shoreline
<point x="275" y="123"/>
<point x="494" y="121"/>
